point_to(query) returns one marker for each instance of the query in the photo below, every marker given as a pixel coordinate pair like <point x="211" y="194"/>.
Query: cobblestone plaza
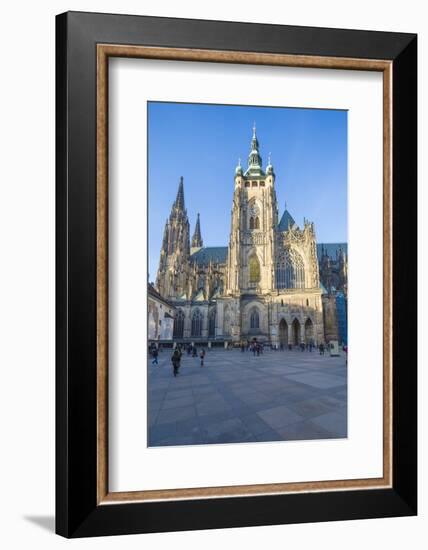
<point x="238" y="397"/>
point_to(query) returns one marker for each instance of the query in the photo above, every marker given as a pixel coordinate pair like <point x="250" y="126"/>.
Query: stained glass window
<point x="254" y="266"/>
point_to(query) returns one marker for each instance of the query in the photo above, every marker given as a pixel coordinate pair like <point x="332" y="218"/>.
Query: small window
<point x="282" y="303"/>
<point x="247" y="184"/>
<point x="262" y="184"/>
<point x="307" y="302"/>
<point x="253" y="184"/>
<point x="257" y="223"/>
<point x="254" y="319"/>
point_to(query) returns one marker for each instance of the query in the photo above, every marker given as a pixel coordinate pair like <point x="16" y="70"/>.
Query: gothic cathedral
<point x="264" y="285"/>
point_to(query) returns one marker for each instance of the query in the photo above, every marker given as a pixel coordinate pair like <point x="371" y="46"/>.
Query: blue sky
<point x="203" y="142"/>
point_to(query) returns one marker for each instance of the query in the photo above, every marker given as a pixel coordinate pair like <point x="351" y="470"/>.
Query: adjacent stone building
<point x="334" y="284"/>
<point x="160" y="317"/>
<point x="265" y="284"/>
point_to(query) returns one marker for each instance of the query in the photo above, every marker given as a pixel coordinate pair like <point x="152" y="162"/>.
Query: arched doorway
<point x="283" y="332"/>
<point x="295" y="329"/>
<point x="309" y="331"/>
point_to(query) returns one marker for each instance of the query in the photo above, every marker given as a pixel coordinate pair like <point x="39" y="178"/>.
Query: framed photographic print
<point x="236" y="274"/>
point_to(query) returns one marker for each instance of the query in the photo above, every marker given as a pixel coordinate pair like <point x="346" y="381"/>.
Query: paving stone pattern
<point x="236" y="397"/>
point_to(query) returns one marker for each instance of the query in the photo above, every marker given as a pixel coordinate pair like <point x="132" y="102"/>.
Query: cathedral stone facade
<point x="264" y="285"/>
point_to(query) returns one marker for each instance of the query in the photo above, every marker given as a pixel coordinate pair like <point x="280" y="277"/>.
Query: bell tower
<point x="254" y="219"/>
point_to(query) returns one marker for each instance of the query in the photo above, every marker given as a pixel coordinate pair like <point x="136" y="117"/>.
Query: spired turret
<point x="269" y="167"/>
<point x="254" y="158"/>
<point x="197" y="242"/>
<point x="238" y="169"/>
<point x="179" y="201"/>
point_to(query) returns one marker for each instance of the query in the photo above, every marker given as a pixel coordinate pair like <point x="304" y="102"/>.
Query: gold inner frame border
<point x="104" y="52"/>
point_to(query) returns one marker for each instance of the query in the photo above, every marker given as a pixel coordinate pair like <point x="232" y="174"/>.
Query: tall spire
<point x="254" y="158"/>
<point x="175" y="250"/>
<point x="197" y="241"/>
<point x="179" y="201"/>
<point x="165" y="237"/>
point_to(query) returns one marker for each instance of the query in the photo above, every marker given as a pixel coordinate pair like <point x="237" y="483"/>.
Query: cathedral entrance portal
<point x="309" y="331"/>
<point x="296" y="332"/>
<point x="283" y="332"/>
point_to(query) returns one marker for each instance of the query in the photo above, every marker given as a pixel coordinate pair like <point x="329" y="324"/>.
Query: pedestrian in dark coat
<point x="175" y="359"/>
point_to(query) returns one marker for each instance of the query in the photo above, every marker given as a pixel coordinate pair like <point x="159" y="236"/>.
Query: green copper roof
<point x="286" y="221"/>
<point x="215" y="254"/>
<point x="254" y="158"/>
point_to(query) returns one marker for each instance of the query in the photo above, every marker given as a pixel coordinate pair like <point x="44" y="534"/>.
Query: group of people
<point x="258" y="347"/>
<point x="176" y="356"/>
<point x="255" y="347"/>
<point x="191" y="350"/>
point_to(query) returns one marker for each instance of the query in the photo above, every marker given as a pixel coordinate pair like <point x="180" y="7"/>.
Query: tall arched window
<point x="197" y="323"/>
<point x="257" y="223"/>
<point x="254" y="319"/>
<point x="211" y="323"/>
<point x="179" y="324"/>
<point x="251" y="222"/>
<point x="290" y="270"/>
<point x="254" y="268"/>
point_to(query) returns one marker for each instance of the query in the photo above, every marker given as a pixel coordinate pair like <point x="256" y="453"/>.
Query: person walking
<point x="155" y="354"/>
<point x="202" y="357"/>
<point x="175" y="359"/>
<point x="321" y="349"/>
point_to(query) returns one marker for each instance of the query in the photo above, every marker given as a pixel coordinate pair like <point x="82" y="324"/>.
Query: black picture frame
<point x="77" y="511"/>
